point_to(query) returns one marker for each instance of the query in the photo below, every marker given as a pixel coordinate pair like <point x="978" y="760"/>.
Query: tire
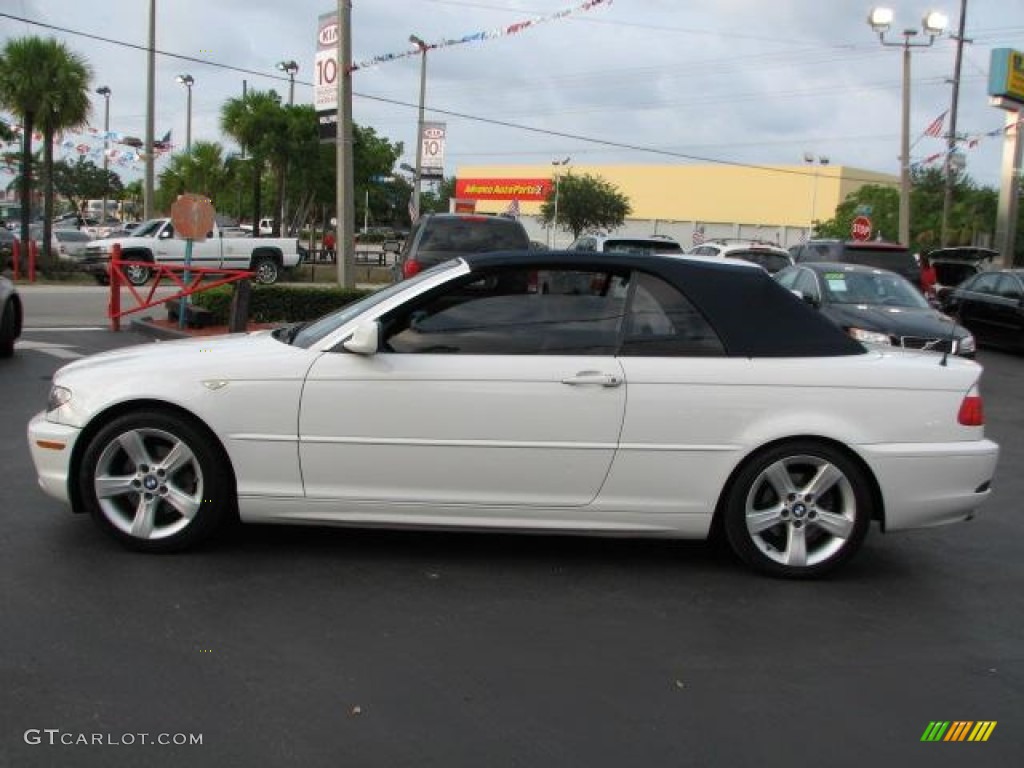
<point x="266" y="269"/>
<point x="137" y="275"/>
<point x="155" y="482"/>
<point x="8" y="329"/>
<point x="798" y="509"/>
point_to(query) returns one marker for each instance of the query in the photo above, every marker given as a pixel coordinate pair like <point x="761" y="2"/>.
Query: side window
<point x="663" y="323"/>
<point x="515" y="312"/>
<point x="1008" y="288"/>
<point x="787" y="278"/>
<point x="807" y="285"/>
<point x="985" y="283"/>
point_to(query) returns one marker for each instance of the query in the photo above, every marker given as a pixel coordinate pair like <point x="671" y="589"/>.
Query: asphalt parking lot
<point x="312" y="646"/>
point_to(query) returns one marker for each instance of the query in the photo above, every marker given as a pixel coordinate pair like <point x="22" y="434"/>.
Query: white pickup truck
<point x="154" y="241"/>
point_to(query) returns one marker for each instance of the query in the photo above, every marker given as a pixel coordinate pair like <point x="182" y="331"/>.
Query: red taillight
<point x="972" y="413"/>
<point x="410" y="268"/>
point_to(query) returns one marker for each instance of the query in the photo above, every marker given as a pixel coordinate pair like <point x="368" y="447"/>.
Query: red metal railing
<point x="188" y="279"/>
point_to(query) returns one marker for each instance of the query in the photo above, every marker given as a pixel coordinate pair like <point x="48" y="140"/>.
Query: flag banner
<point x="698" y="235"/>
<point x="476" y="37"/>
<point x="934" y="128"/>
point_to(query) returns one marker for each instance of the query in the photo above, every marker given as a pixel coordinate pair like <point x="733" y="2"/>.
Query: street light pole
<point x="187" y="81"/>
<point x="822" y="160"/>
<point x="104" y="91"/>
<point x="419" y="126"/>
<point x="933" y="24"/>
<point x="291" y="67"/>
<point x="554" y="222"/>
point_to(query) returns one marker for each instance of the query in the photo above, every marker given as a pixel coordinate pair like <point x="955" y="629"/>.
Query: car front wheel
<point x="266" y="269"/>
<point x="155" y="482"/>
<point x="798" y="509"/>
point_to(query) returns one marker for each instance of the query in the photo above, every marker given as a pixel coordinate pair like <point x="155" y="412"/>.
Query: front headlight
<point x="58" y="397"/>
<point x="869" y="337"/>
<point x="967" y="345"/>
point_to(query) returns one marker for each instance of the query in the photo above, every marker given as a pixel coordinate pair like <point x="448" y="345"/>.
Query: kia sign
<point x="432" y="151"/>
<point x="861" y="228"/>
<point x="325" y="72"/>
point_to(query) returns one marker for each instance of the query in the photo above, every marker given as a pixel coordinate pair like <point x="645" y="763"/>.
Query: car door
<point x="1006" y="310"/>
<point x="976" y="307"/>
<point x="499" y="389"/>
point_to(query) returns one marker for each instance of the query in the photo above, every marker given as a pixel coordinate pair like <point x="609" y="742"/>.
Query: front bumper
<point x="51" y="446"/>
<point x="925" y="485"/>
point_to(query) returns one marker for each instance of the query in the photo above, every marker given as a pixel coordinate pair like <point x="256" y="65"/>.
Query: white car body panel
<point x="322" y="435"/>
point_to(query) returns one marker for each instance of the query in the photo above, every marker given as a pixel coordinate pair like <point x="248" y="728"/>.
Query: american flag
<point x="698" y="234"/>
<point x="513" y="209"/>
<point x="934" y="128"/>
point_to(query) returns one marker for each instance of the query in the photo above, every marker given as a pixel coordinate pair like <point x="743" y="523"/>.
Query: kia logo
<point x="329" y="34"/>
<point x="433" y="133"/>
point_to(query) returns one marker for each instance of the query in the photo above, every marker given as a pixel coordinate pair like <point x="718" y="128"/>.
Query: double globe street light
<point x="933" y="24"/>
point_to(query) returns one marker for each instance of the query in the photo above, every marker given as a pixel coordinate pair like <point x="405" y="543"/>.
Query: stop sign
<point x="861" y="228"/>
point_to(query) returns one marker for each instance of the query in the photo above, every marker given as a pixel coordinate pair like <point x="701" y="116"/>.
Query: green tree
<point x="201" y="170"/>
<point x="83" y="180"/>
<point x="46" y="86"/>
<point x="882" y="203"/>
<point x="585" y="202"/>
<point x="253" y="120"/>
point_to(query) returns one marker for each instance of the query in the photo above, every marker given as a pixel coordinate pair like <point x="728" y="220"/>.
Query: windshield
<point x="310" y="334"/>
<point x="147" y="228"/>
<point x="883" y="288"/>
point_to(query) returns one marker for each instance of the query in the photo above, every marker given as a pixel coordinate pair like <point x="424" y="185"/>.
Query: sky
<point x="625" y="82"/>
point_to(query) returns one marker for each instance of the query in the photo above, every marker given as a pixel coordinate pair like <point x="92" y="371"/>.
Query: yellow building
<point x="776" y="203"/>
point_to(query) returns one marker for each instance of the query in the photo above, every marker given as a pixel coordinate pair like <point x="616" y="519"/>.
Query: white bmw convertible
<point x="544" y="392"/>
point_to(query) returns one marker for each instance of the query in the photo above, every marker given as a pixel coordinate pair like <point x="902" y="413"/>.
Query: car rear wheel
<point x="798" y="510"/>
<point x="8" y="329"/>
<point x="155" y="482"/>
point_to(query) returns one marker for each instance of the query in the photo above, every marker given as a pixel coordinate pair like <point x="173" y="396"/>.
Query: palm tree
<point x="256" y="121"/>
<point x="66" y="106"/>
<point x="201" y="170"/>
<point x="44" y="85"/>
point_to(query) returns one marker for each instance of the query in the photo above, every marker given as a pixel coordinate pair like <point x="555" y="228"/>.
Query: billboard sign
<point x="535" y="190"/>
<point x="432" y="150"/>
<point x="325" y="71"/>
<point x="1006" y="75"/>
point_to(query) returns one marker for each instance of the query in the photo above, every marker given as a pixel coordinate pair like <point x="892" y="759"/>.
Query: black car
<point x="991" y="305"/>
<point x="956" y="264"/>
<point x="439" y="237"/>
<point x="876" y="306"/>
<point x="10" y="317"/>
<point x="871" y="253"/>
<point x="7" y="241"/>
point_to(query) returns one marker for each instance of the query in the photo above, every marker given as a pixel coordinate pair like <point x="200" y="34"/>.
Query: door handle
<point x="594" y="377"/>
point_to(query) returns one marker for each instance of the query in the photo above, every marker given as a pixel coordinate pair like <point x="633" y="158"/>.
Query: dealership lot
<point x="316" y="646"/>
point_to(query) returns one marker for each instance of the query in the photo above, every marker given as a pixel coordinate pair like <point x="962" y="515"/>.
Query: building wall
<point x="776" y="204"/>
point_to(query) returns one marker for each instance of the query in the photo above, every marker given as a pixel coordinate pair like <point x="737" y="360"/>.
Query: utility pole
<point x="947" y="199"/>
<point x="345" y="174"/>
<point x="147" y="197"/>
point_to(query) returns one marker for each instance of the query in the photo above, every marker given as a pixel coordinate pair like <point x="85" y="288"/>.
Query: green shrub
<point x="279" y="303"/>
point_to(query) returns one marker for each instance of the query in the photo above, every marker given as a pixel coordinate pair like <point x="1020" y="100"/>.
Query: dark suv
<point x="438" y="237"/>
<point x="870" y="253"/>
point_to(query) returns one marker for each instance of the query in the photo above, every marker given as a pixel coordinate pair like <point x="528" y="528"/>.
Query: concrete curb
<point x="147" y="327"/>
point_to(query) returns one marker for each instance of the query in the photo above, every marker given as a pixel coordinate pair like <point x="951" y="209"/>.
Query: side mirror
<point x="365" y="340"/>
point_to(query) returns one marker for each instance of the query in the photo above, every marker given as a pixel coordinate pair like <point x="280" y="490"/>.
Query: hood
<point x="236" y="355"/>
<point x="894" y="321"/>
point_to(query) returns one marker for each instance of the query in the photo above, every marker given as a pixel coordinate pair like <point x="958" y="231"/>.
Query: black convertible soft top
<point x="753" y="315"/>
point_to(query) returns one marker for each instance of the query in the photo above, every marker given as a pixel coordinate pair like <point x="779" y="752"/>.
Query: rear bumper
<point x="931" y="484"/>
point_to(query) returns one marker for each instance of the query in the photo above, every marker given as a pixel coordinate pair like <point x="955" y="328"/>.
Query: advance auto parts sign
<point x="503" y="189"/>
